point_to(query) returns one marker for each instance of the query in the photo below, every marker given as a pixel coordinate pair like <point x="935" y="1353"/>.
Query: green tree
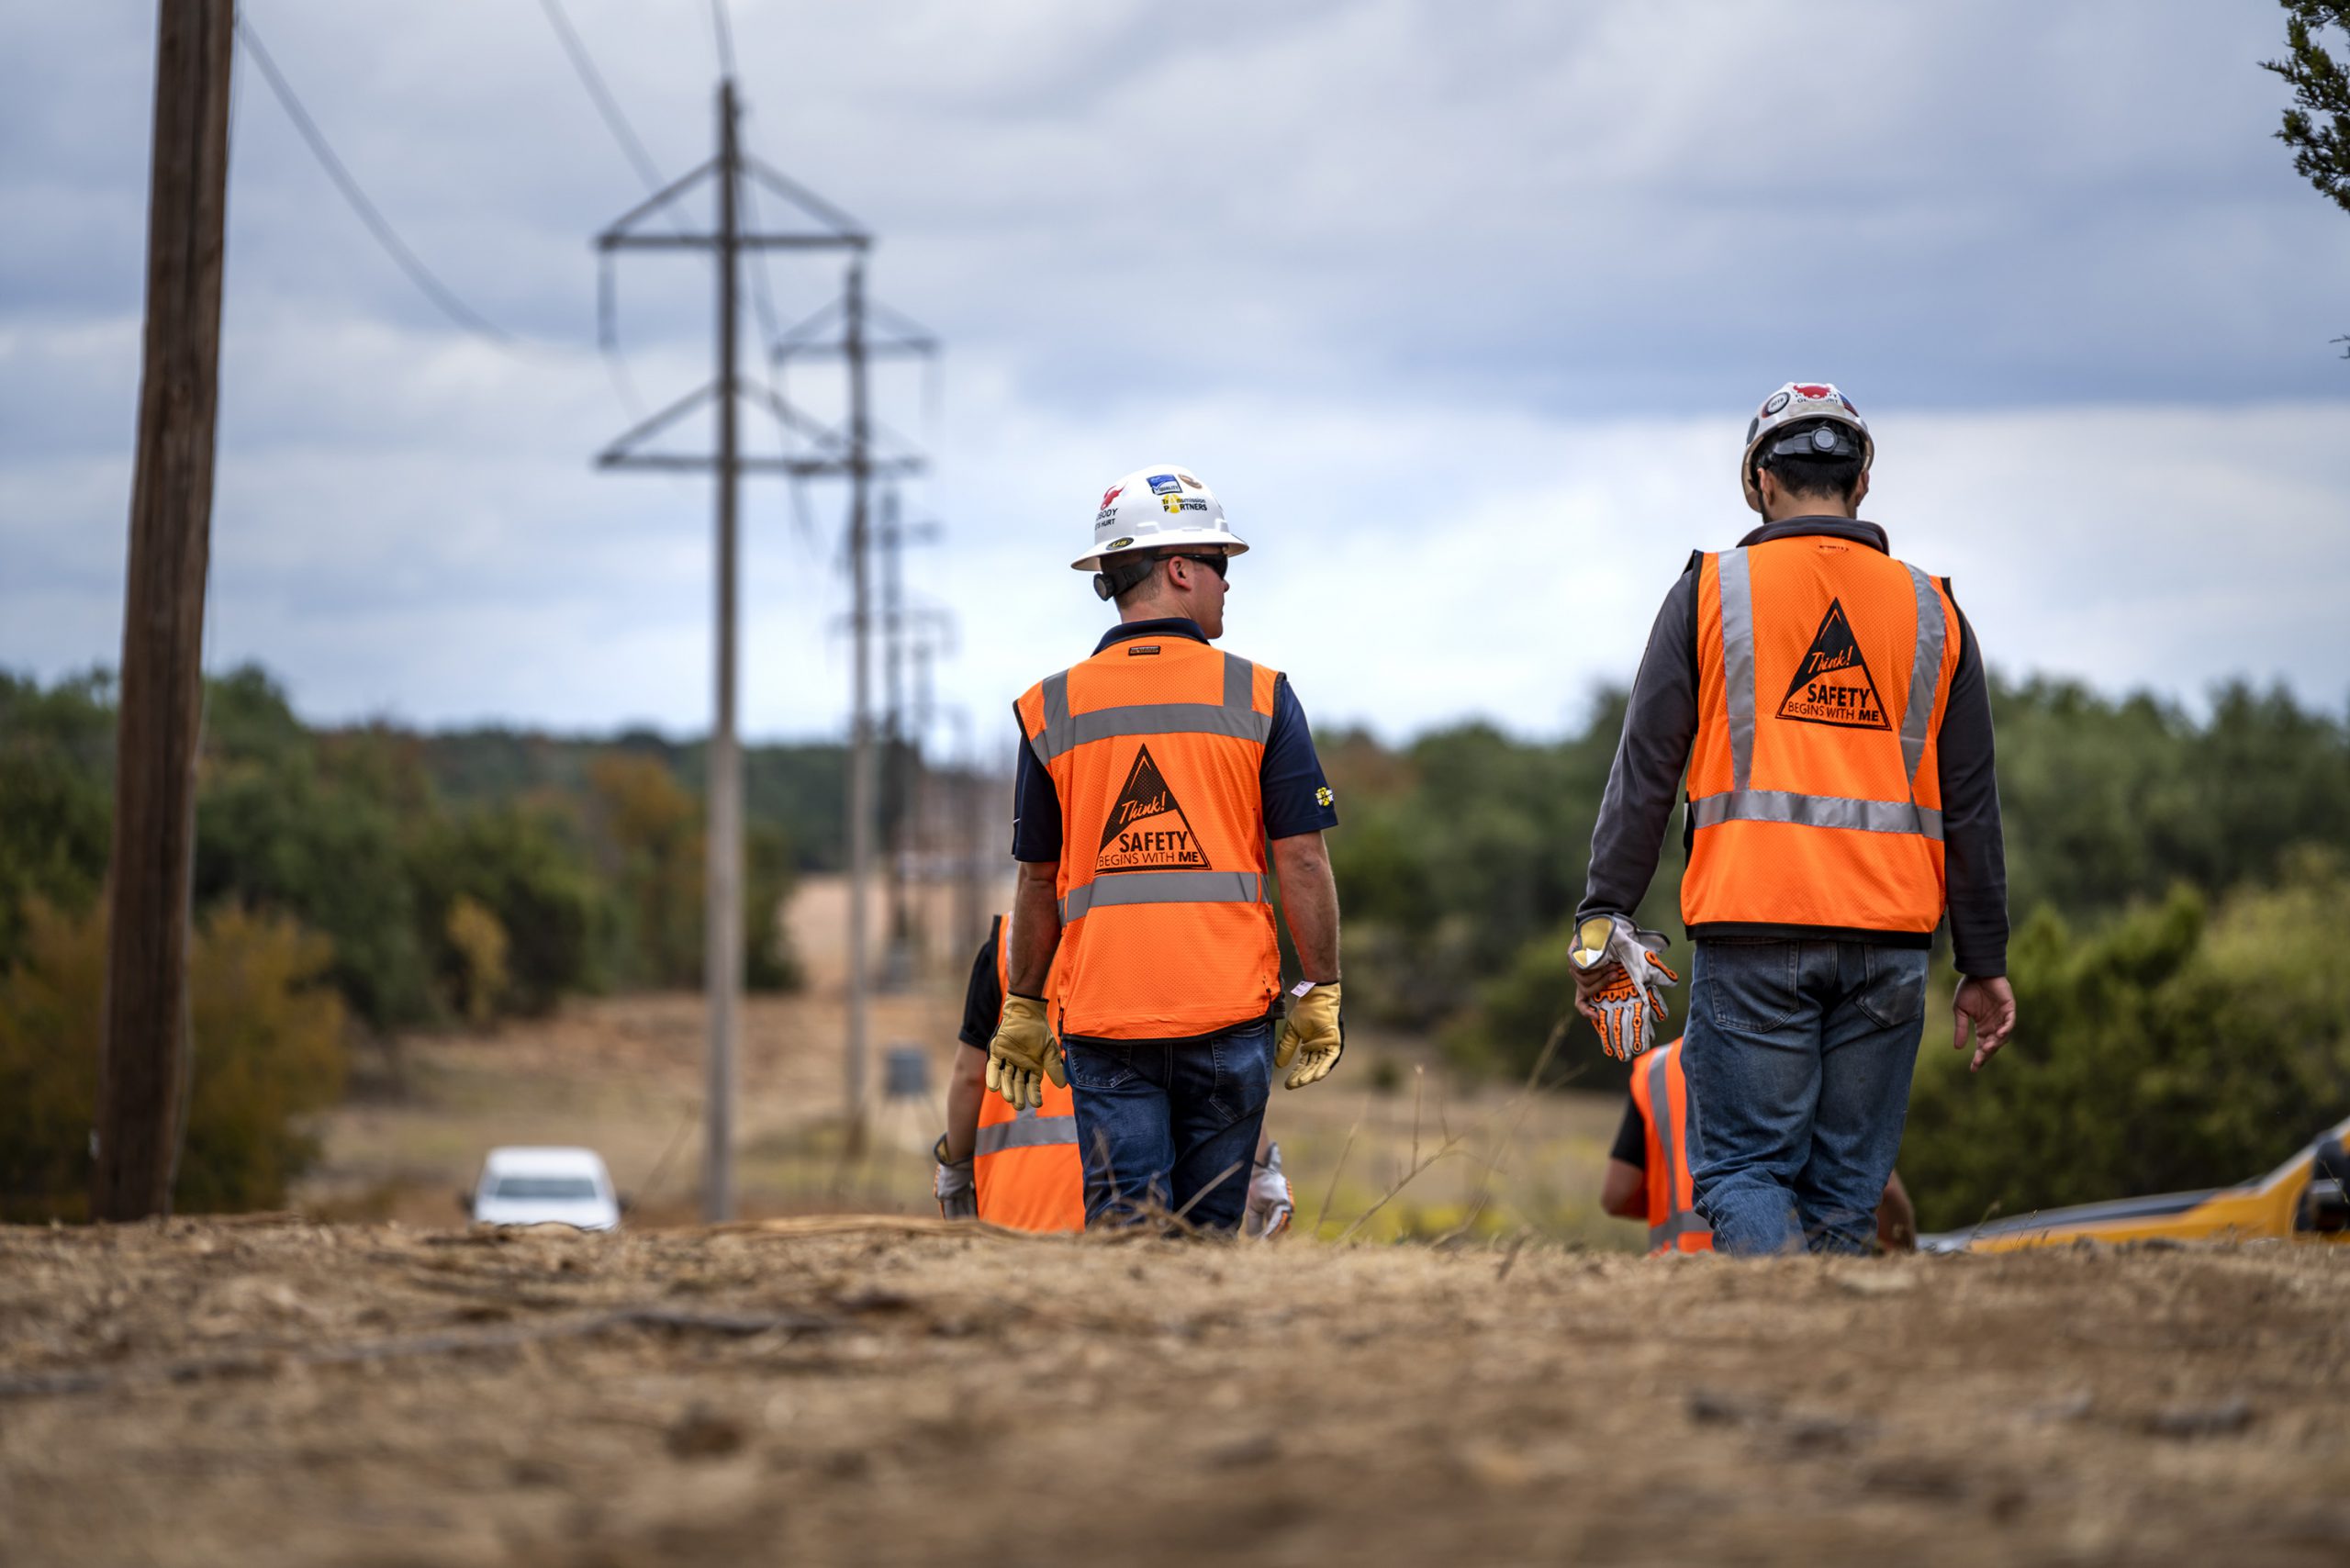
<point x="521" y="863"/>
<point x="2317" y="127"/>
<point x="56" y="785"/>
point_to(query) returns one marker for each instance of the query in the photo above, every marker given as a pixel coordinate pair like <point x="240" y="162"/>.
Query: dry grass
<point x="843" y="1391"/>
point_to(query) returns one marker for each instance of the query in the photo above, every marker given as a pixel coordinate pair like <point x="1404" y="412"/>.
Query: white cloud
<point x="1459" y="308"/>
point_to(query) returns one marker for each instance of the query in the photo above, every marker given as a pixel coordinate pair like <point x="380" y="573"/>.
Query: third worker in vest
<point x="1648" y="1170"/>
<point x="1159" y="778"/>
<point x="1829" y="703"/>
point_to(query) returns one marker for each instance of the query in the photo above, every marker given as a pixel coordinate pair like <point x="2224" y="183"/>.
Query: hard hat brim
<point x="1176" y="540"/>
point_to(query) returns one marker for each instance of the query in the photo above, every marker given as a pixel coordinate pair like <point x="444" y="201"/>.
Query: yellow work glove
<point x="1313" y="1035"/>
<point x="1620" y="982"/>
<point x="1023" y="1054"/>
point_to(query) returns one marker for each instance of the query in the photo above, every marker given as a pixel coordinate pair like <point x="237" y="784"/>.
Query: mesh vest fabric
<point x="1156" y="750"/>
<point x="1824" y="668"/>
<point x="1025" y="1163"/>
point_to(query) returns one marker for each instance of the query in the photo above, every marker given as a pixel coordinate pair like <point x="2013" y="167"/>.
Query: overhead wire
<point x="423" y="277"/>
<point x="631" y="146"/>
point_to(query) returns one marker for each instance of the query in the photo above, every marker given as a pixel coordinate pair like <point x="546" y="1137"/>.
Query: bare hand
<point x="1989" y="1005"/>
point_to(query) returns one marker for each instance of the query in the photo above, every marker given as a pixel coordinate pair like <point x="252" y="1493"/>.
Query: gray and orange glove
<point x="1313" y="1036"/>
<point x="953" y="1186"/>
<point x="1023" y="1054"/>
<point x="1620" y="982"/>
<point x="1269" y="1207"/>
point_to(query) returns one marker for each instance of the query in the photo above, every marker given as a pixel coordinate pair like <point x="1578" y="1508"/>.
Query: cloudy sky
<point x="1461" y="307"/>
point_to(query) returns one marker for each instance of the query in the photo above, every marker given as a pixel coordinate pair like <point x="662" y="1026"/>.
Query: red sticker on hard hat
<point x="1111" y="493"/>
<point x="1805" y="391"/>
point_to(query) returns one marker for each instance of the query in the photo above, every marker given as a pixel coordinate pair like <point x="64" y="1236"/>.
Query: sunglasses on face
<point x="1215" y="563"/>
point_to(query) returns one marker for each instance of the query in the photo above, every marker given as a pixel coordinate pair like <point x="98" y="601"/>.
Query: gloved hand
<point x="1620" y="982"/>
<point x="1269" y="1207"/>
<point x="957" y="1194"/>
<point x="1313" y="1035"/>
<point x="1023" y="1054"/>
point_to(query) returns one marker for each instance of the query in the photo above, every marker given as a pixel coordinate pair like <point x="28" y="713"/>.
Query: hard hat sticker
<point x="1111" y="495"/>
<point x="1832" y="684"/>
<point x="1147" y="829"/>
<point x="1162" y="483"/>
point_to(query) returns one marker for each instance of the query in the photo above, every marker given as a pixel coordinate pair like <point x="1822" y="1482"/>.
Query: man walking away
<point x="1830" y="705"/>
<point x="1154" y="775"/>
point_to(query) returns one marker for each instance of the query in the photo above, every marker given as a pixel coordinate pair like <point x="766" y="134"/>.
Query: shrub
<point x="2175" y="1048"/>
<point x="267" y="1049"/>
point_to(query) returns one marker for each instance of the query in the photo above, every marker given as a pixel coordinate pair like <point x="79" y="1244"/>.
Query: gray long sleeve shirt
<point x="1661" y="722"/>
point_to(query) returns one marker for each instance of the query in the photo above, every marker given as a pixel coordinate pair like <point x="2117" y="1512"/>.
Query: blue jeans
<point x="1170" y="1127"/>
<point x="1798" y="1057"/>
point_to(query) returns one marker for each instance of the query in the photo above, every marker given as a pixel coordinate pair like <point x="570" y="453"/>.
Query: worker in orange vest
<point x="1647" y="1171"/>
<point x="1020" y="1168"/>
<point x="1159" y="780"/>
<point x="1828" y="704"/>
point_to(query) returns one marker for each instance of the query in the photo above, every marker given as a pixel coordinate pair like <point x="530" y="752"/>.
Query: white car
<point x="546" y="1186"/>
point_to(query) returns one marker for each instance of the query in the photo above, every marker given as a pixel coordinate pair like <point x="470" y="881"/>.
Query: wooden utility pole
<point x="144" y="1048"/>
<point x="722" y="906"/>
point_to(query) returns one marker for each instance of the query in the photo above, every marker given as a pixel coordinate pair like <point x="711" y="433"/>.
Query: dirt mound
<point x="894" y="1391"/>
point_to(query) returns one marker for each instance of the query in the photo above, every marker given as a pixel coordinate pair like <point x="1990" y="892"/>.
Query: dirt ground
<point x="266" y="1392"/>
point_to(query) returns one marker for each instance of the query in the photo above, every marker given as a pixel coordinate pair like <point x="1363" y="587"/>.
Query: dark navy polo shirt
<point x="1291" y="776"/>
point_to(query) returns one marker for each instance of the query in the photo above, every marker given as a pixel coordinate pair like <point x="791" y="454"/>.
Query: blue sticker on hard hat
<point x="1162" y="483"/>
<point x="1778" y="401"/>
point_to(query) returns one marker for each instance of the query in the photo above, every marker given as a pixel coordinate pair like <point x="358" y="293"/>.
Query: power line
<point x="725" y="37"/>
<point x="602" y="95"/>
<point x="431" y="287"/>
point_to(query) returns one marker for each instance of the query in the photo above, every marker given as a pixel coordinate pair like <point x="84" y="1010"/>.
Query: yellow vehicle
<point x="2305" y="1199"/>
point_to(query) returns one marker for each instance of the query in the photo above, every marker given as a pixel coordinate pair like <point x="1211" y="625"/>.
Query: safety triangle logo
<point x="1832" y="684"/>
<point x="1147" y="829"/>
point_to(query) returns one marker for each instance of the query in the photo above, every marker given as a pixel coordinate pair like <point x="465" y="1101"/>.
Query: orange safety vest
<point x="1660" y="1089"/>
<point x="1155" y="747"/>
<point x="1025" y="1163"/>
<point x="1823" y="670"/>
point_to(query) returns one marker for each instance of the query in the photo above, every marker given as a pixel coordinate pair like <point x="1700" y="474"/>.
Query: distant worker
<point x="1020" y="1168"/>
<point x="1647" y="1171"/>
<point x="1828" y="704"/>
<point x="1154" y="776"/>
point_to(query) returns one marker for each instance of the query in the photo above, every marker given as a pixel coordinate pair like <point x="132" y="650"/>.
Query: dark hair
<point x="1804" y="476"/>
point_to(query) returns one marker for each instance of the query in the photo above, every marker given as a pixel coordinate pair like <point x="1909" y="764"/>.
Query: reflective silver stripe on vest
<point x="1028" y="1130"/>
<point x="1239" y="683"/>
<point x="1155" y="719"/>
<point x="1688" y="1221"/>
<point x="1679" y="1221"/>
<point x="1738" y="661"/>
<point x="1053" y="739"/>
<point x="1925" y="675"/>
<point x="1235" y="716"/>
<point x="1163" y="887"/>
<point x="1816" y="811"/>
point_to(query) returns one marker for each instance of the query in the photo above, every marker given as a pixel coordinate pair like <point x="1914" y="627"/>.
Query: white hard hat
<point x="1158" y="508"/>
<point x="1816" y="404"/>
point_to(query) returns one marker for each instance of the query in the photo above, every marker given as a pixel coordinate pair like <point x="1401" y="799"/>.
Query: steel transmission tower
<point x="821" y="453"/>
